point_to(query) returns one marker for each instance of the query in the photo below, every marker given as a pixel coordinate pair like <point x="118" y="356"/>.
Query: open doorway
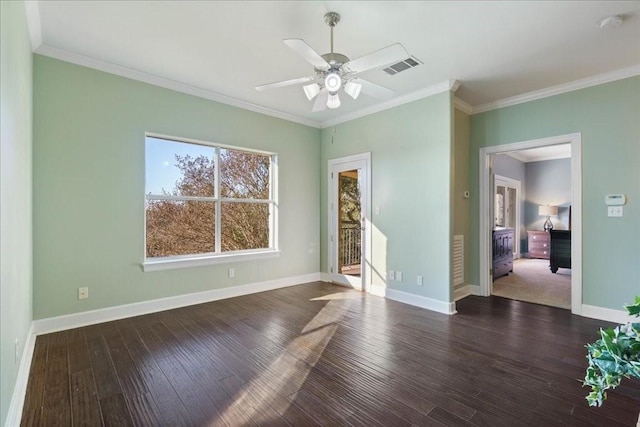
<point x="530" y="277"/>
<point x="350" y="223"/>
<point x="349" y="213"/>
<point x="546" y="174"/>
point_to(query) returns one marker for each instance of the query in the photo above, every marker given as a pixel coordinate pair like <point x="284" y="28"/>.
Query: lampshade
<point x="333" y="82"/>
<point x="311" y="90"/>
<point x="333" y="101"/>
<point x="353" y="89"/>
<point x="546" y="210"/>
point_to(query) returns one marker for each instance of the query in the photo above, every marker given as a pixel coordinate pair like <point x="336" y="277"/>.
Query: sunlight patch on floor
<point x="289" y="371"/>
<point x="340" y="296"/>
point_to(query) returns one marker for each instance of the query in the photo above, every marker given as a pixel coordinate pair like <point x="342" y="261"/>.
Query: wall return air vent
<point x="401" y="66"/>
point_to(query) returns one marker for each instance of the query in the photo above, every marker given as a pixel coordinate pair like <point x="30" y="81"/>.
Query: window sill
<point x="170" y="263"/>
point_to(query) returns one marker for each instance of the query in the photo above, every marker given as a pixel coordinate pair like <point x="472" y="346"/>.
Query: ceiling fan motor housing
<point x="335" y="59"/>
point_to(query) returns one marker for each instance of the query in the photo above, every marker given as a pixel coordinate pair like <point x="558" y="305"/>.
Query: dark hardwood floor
<point x="320" y="354"/>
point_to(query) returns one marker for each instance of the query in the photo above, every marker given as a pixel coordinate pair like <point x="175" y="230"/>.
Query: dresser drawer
<point x="544" y="254"/>
<point x="539" y="244"/>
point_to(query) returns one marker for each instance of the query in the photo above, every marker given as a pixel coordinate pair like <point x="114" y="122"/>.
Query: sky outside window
<point x="160" y="157"/>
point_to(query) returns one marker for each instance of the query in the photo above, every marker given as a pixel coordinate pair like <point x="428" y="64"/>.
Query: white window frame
<point x="217" y="257"/>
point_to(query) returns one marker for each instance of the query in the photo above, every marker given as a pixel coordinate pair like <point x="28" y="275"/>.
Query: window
<point x="207" y="203"/>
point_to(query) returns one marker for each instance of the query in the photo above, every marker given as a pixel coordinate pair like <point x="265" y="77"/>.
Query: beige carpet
<point x="532" y="281"/>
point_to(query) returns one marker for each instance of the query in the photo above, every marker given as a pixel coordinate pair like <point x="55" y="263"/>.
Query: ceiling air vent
<point x="402" y="65"/>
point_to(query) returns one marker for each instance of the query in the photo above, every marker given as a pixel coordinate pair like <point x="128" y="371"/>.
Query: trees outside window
<point x="207" y="199"/>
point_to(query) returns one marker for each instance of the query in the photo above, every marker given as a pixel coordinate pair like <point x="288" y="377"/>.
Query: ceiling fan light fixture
<point x="333" y="82"/>
<point x="334" y="100"/>
<point x="353" y="89"/>
<point x="311" y="90"/>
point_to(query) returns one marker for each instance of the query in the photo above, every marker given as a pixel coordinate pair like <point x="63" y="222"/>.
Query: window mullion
<point x="218" y="211"/>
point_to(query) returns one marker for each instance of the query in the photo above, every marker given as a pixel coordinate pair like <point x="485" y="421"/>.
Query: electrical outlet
<point x="17" y="350"/>
<point x="419" y="280"/>
<point x="83" y="293"/>
<point x="232" y="272"/>
<point x="399" y="276"/>
<point x="392" y="275"/>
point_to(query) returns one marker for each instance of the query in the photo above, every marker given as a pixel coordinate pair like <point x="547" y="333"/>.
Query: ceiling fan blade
<point x="285" y="83"/>
<point x="385" y="56"/>
<point x="375" y="90"/>
<point x="321" y="101"/>
<point x="300" y="47"/>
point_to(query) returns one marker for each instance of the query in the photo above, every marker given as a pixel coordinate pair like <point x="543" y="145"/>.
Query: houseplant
<point x="614" y="356"/>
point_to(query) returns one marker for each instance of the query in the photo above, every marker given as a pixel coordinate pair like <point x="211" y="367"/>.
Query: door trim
<point x="366" y="211"/>
<point x="485" y="225"/>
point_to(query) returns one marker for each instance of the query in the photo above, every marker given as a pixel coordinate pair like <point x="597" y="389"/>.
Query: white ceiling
<point x="496" y="50"/>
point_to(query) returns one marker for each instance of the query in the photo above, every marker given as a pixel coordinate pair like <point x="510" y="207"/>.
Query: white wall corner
<point x="325" y="277"/>
<point x="20" y="389"/>
<point x="454" y="85"/>
<point x="607" y="314"/>
<point x="76" y="320"/>
<point x="32" y="7"/>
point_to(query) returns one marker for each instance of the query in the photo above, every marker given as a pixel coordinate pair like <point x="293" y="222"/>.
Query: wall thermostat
<point x="615" y="199"/>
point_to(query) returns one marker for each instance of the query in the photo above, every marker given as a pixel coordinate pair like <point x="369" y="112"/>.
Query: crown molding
<point x="33" y="19"/>
<point x="32" y="8"/>
<point x="445" y="86"/>
<point x="130" y="73"/>
<point x="560" y="89"/>
<point x="462" y="105"/>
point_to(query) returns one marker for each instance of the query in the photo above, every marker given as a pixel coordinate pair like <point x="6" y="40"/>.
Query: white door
<point x="349" y="184"/>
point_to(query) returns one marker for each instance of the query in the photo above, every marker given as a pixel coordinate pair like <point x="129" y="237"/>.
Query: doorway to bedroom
<point x="520" y="222"/>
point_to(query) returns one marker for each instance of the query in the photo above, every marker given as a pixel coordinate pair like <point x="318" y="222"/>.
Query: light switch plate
<point x="615" y="211"/>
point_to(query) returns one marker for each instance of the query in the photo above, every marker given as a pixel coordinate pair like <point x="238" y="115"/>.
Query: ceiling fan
<point x="334" y="71"/>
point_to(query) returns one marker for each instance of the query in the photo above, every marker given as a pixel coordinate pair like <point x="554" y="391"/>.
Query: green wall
<point x="608" y="116"/>
<point x="89" y="174"/>
<point x="462" y="123"/>
<point x="411" y="156"/>
<point x="15" y="193"/>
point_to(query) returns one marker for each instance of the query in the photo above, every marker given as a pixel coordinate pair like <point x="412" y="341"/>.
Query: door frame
<point x="365" y="276"/>
<point x="486" y="221"/>
<point x="512" y="183"/>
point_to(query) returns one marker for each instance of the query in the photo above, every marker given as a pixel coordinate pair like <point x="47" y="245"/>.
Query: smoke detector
<point x="612" y="21"/>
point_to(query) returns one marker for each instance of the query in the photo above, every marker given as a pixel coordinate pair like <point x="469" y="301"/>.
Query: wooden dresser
<point x="539" y="244"/>
<point x="502" y="252"/>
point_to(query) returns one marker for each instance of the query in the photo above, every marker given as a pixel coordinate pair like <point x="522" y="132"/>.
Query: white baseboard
<point x="76" y="320"/>
<point x="416" y="300"/>
<point x="461" y="292"/>
<point x="325" y="277"/>
<point x="19" y="391"/>
<point x="607" y="314"/>
<point x="475" y="290"/>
